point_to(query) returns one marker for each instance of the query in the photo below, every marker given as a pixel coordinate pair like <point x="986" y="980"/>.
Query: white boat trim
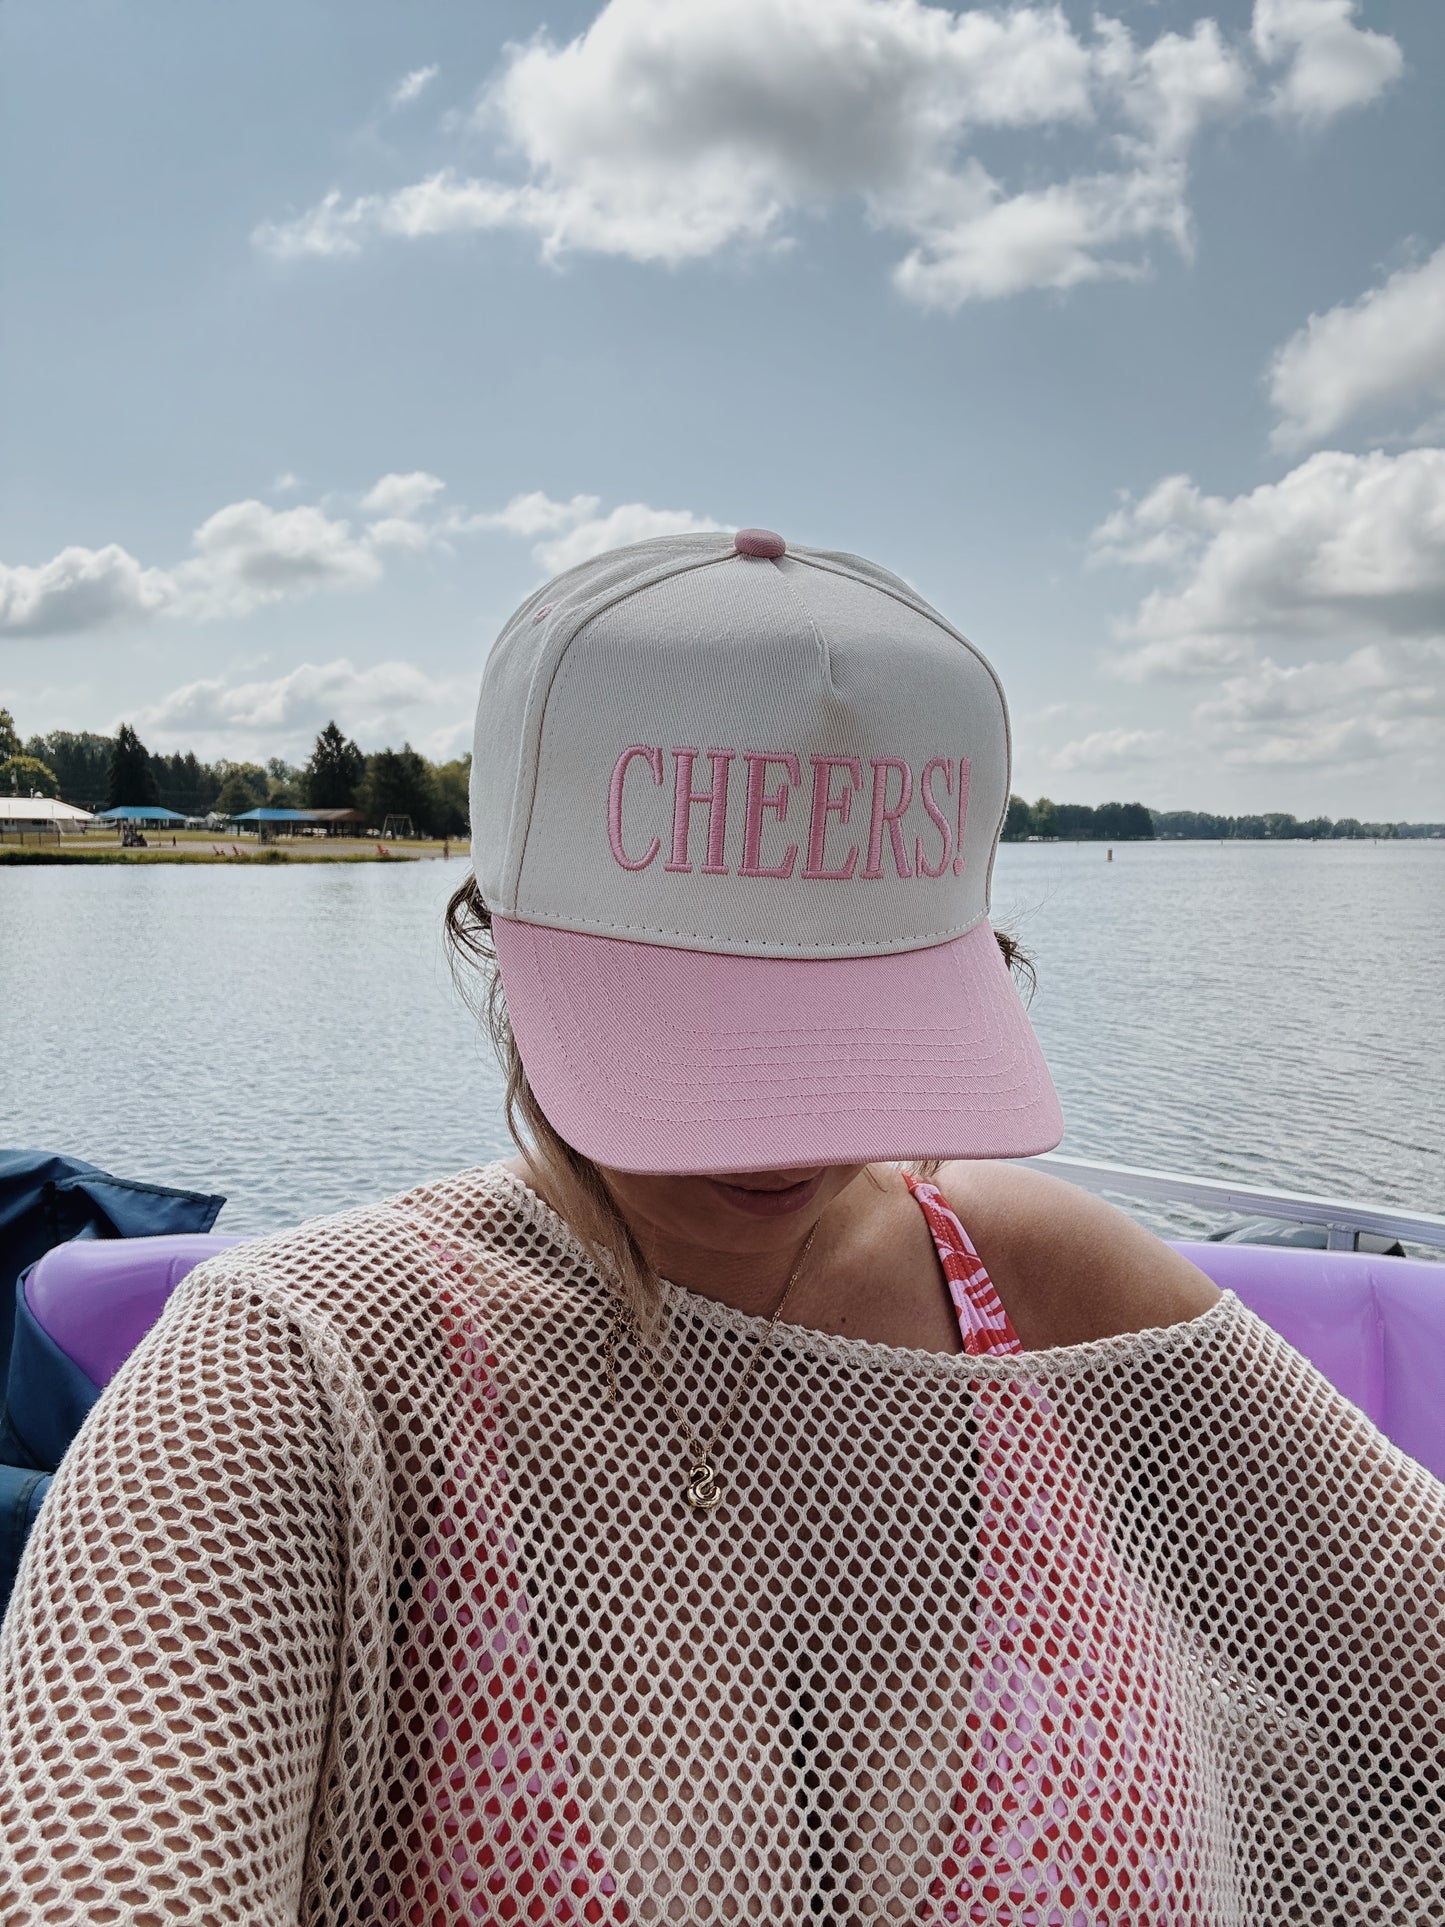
<point x="1344" y="1219"/>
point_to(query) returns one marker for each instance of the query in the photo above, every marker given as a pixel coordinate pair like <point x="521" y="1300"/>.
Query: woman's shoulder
<point x="445" y="1228"/>
<point x="1068" y="1267"/>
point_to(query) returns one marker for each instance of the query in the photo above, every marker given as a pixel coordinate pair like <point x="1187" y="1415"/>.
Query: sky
<point x="327" y="332"/>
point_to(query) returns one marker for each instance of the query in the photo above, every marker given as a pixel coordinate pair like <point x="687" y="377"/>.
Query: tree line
<point x="1135" y="823"/>
<point x="103" y="772"/>
<point x="100" y="772"/>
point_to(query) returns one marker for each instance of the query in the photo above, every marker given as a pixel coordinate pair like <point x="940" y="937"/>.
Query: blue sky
<point x="327" y="331"/>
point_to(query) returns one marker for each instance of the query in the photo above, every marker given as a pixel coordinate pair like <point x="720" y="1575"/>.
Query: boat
<point x="1371" y="1321"/>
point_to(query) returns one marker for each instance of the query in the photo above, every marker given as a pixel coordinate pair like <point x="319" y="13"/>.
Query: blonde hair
<point x="576" y="1183"/>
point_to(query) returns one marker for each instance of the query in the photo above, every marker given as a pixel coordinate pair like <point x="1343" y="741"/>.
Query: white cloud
<point x="664" y="133"/>
<point x="80" y="589"/>
<point x="1330" y="64"/>
<point x="1344" y="546"/>
<point x="250" y="554"/>
<point x="1342" y="564"/>
<point x="632" y="522"/>
<point x="1385" y="699"/>
<point x="1386" y="349"/>
<point x="401" y="532"/>
<point x="402" y="494"/>
<point x="373" y="704"/>
<point x="285" y="483"/>
<point x="574" y="530"/>
<point x="244" y="556"/>
<point x="1113" y="749"/>
<point x="535" y="514"/>
<point x="411" y="87"/>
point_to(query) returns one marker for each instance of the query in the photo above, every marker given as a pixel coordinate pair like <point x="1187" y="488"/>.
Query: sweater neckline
<point x="1206" y="1328"/>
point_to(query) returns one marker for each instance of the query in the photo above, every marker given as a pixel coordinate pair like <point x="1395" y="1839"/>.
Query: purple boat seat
<point x="96" y="1298"/>
<point x="1374" y="1326"/>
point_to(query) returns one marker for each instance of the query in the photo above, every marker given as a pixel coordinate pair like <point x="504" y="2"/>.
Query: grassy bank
<point x="193" y="847"/>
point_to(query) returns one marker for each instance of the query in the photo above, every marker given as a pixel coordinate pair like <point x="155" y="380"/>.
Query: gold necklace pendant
<point x="703" y="1490"/>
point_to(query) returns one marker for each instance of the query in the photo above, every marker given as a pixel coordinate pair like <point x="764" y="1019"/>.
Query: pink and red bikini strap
<point x="984" y="1324"/>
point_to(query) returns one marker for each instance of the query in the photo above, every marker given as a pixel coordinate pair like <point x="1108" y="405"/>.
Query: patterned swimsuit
<point x="1066" y="1753"/>
<point x="985" y="1325"/>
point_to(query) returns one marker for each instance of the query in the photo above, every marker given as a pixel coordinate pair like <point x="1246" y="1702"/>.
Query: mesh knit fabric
<point x="356" y="1601"/>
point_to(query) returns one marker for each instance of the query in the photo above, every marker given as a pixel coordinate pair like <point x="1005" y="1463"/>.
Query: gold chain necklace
<point x="703" y="1490"/>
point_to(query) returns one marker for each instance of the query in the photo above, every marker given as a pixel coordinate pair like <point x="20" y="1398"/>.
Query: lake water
<point x="291" y="1037"/>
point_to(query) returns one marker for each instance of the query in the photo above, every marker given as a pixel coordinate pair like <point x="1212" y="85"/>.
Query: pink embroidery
<point x="761" y="798"/>
<point x="716" y="798"/>
<point x="882" y="814"/>
<point x="828" y="801"/>
<point x="653" y="759"/>
<point x="825" y="804"/>
<point x="963" y="771"/>
<point x="945" y="763"/>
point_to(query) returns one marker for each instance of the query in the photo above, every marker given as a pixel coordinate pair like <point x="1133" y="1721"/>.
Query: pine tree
<point x="333" y="775"/>
<point x="399" y="783"/>
<point x="131" y="778"/>
<point x="9" y="737"/>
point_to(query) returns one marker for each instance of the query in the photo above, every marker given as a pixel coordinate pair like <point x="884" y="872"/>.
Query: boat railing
<point x="1344" y="1219"/>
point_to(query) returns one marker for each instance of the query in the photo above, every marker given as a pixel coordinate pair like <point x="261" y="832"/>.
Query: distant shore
<point x="193" y="847"/>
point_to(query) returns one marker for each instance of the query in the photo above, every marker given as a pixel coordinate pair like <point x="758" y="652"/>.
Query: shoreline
<point x="19" y="857"/>
<point x="204" y="850"/>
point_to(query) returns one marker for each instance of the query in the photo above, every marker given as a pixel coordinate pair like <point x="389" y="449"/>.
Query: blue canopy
<point x="140" y="813"/>
<point x="275" y="816"/>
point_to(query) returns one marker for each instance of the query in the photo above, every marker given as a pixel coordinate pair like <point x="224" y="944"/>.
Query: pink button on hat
<point x="734" y="811"/>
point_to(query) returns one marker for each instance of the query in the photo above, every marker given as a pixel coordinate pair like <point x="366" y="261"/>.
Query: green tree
<point x="185" y="783"/>
<point x="236" y="796"/>
<point x="283" y="784"/>
<point x="452" y="783"/>
<point x="9" y="737"/>
<point x="81" y="761"/>
<point x="27" y="776"/>
<point x="1017" y="822"/>
<point x="399" y="783"/>
<point x="1076" y="822"/>
<point x="1045" y="818"/>
<point x="1123" y="823"/>
<point x="1138" y="824"/>
<point x="258" y="783"/>
<point x="334" y="773"/>
<point x="131" y="779"/>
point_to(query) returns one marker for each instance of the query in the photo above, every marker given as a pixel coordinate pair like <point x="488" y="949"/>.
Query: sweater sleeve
<point x="168" y="1661"/>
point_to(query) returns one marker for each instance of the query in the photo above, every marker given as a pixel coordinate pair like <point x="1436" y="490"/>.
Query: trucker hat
<point x="735" y="806"/>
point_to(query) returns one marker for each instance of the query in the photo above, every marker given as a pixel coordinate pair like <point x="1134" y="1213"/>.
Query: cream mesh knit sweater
<point x="357" y="1602"/>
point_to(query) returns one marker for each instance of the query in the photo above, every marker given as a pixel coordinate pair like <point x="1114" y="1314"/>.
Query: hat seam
<point x="551" y="661"/>
<point x="921" y="606"/>
<point x="707" y="945"/>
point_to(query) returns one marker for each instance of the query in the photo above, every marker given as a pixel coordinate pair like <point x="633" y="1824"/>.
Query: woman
<point x="697" y="1517"/>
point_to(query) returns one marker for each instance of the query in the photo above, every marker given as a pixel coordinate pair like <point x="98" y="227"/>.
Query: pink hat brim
<point x="648" y="1058"/>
